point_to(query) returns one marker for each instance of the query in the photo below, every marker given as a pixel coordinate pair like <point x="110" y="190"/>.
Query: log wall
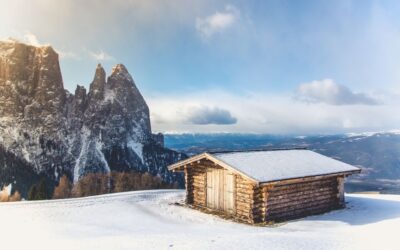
<point x="268" y="203"/>
<point x="245" y="192"/>
<point x="296" y="200"/>
<point x="196" y="185"/>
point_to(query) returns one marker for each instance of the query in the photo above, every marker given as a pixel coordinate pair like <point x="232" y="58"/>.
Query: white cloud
<point x="31" y="39"/>
<point x="68" y="55"/>
<point x="205" y="115"/>
<point x="262" y="113"/>
<point x="210" y="25"/>
<point x="329" y="92"/>
<point x="101" y="56"/>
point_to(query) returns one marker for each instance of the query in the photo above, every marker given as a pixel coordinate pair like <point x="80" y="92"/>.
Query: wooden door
<point x="212" y="188"/>
<point x="221" y="190"/>
<point x="229" y="192"/>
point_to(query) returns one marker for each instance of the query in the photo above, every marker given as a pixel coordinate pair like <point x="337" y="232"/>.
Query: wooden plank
<point x="340" y="187"/>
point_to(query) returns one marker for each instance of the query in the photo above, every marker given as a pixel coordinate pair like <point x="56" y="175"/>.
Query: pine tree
<point x="41" y="193"/>
<point x="32" y="192"/>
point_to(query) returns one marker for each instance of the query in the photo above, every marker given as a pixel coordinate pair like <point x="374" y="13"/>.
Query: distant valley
<point x="378" y="154"/>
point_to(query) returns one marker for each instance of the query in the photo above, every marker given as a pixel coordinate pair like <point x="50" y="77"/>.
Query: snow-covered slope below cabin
<point x="150" y="220"/>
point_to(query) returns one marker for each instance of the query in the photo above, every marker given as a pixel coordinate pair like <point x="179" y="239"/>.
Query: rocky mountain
<point x="52" y="132"/>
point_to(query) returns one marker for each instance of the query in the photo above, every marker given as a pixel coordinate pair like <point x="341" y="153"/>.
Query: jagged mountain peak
<point x="119" y="69"/>
<point x="80" y="90"/>
<point x="98" y="84"/>
<point x="100" y="73"/>
<point x="120" y="73"/>
<point x="56" y="132"/>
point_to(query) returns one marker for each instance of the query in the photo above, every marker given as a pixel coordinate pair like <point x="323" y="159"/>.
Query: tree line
<point x="101" y="183"/>
<point x="91" y="184"/>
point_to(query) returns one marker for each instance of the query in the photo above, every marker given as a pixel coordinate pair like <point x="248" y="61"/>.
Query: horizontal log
<point x="307" y="193"/>
<point x="202" y="182"/>
<point x="248" y="207"/>
<point x="199" y="186"/>
<point x="244" y="195"/>
<point x="243" y="182"/>
<point x="242" y="212"/>
<point x="302" y="186"/>
<point x="286" y="203"/>
<point x="302" y="207"/>
<point x="199" y="176"/>
<point x="305" y="188"/>
<point x="243" y="201"/>
<point x="200" y="204"/>
<point x="304" y="179"/>
<point x="243" y="205"/>
<point x="199" y="195"/>
<point x="299" y="188"/>
<point x="300" y="195"/>
<point x="300" y="213"/>
<point x="199" y="179"/>
<point x="314" y="182"/>
<point x="243" y="185"/>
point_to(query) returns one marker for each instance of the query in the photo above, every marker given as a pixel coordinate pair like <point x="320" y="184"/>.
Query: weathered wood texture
<point x="220" y="190"/>
<point x="245" y="191"/>
<point x="196" y="185"/>
<point x="266" y="203"/>
<point x="297" y="200"/>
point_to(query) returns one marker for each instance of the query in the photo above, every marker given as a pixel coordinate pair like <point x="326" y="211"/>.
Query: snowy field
<point x="147" y="220"/>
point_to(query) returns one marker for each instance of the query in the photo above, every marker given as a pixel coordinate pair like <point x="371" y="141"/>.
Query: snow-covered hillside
<point x="149" y="220"/>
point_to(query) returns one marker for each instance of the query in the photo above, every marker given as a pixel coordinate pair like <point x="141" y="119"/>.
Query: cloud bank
<point x="206" y="115"/>
<point x="266" y="113"/>
<point x="329" y="92"/>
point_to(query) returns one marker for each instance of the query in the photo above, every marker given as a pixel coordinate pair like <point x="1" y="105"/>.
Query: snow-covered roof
<point x="275" y="165"/>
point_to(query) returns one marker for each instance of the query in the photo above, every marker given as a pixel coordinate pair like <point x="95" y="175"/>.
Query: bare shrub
<point x="64" y="188"/>
<point x="91" y="184"/>
<point x="6" y="197"/>
<point x="15" y="197"/>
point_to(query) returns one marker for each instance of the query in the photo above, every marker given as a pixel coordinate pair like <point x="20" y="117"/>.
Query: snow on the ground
<point x="149" y="220"/>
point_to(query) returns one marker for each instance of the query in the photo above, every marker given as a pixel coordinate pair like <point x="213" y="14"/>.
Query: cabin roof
<point x="274" y="165"/>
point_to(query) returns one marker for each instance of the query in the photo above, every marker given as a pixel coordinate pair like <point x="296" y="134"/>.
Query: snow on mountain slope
<point x="149" y="220"/>
<point x="55" y="132"/>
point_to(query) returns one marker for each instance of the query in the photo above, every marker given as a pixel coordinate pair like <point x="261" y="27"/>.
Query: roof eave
<point x="175" y="167"/>
<point x="346" y="173"/>
<point x="182" y="163"/>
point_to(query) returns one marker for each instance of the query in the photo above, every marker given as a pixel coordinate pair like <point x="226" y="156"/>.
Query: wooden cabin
<point x="264" y="186"/>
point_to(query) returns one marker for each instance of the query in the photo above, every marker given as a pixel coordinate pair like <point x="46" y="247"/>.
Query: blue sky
<point x="236" y="66"/>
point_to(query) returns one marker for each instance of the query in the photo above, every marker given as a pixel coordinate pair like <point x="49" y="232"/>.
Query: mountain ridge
<point x="59" y="133"/>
